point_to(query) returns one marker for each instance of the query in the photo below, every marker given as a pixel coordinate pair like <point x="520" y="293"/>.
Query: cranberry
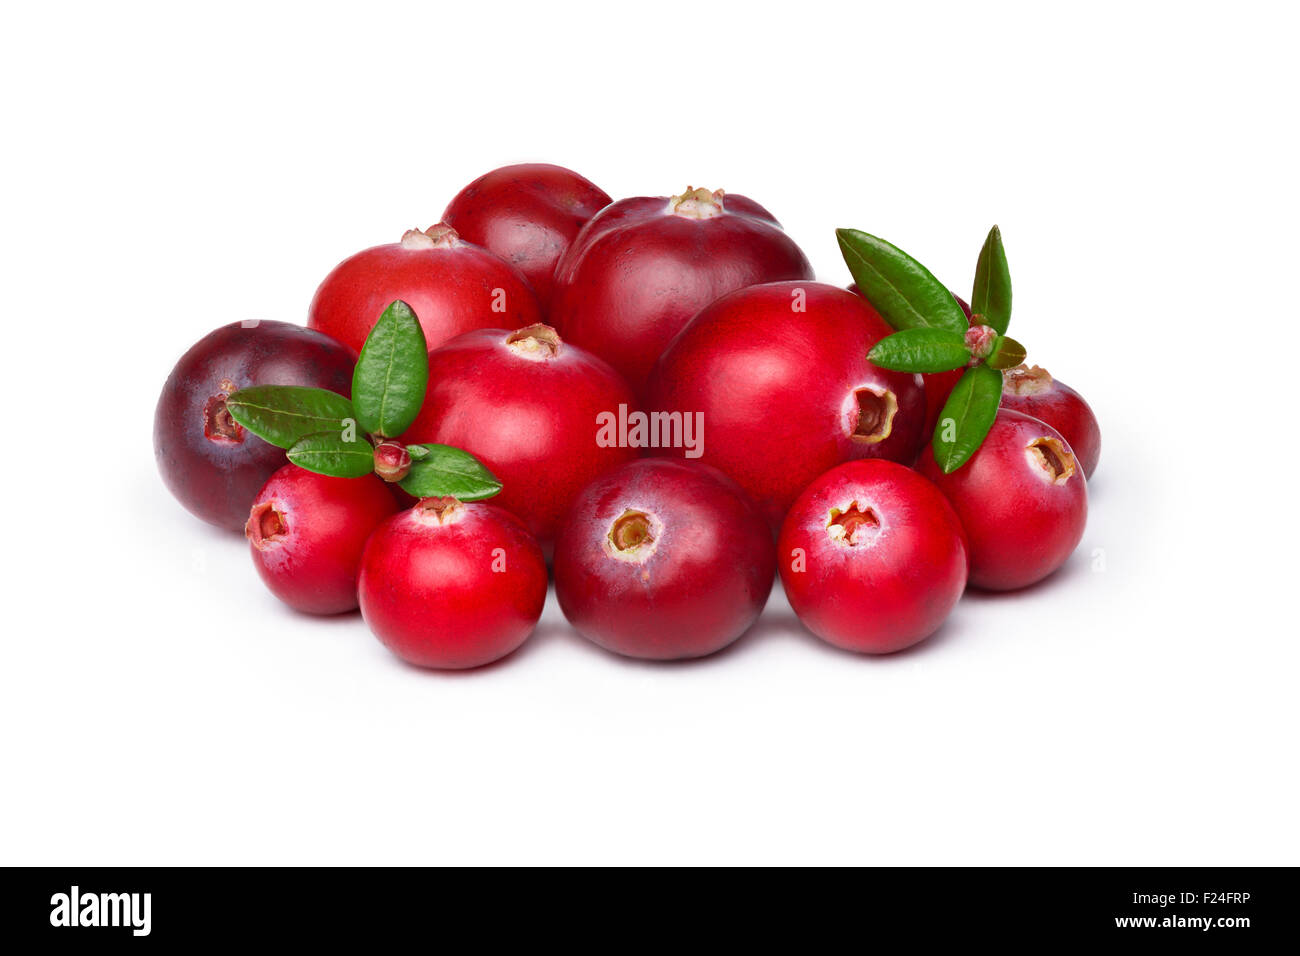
<point x="307" y="532"/>
<point x="526" y="405"/>
<point x="780" y="377"/>
<point x="207" y="460"/>
<point x="528" y="215"/>
<point x="642" y="267"/>
<point x="663" y="559"/>
<point x="453" y="286"/>
<point x="1021" y="498"/>
<point x="873" y="558"/>
<point x="1033" y="392"/>
<point x="452" y="585"/>
<point x="938" y="385"/>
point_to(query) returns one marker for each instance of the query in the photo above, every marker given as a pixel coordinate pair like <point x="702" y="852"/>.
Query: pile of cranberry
<point x="675" y="412"/>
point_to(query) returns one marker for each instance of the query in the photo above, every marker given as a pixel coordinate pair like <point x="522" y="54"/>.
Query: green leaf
<point x="285" y="414"/>
<point x="901" y="289"/>
<point x="991" y="296"/>
<point x="440" y="471"/>
<point x="1007" y="353"/>
<point x="921" y="350"/>
<point x="330" y="454"/>
<point x="967" y="417"/>
<point x="392" y="373"/>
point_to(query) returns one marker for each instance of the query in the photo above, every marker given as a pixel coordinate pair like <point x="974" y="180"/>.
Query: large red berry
<point x="306" y="533"/>
<point x="453" y="286"/>
<point x="210" y="463"/>
<point x="527" y="405"/>
<point x="452" y="585"/>
<point x="1022" y="499"/>
<point x="1033" y="392"/>
<point x="780" y="377"/>
<point x="663" y="559"/>
<point x="872" y="557"/>
<point x="642" y="267"/>
<point x="528" y="215"/>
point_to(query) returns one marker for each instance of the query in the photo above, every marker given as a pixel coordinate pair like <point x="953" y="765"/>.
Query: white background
<point x="171" y="168"/>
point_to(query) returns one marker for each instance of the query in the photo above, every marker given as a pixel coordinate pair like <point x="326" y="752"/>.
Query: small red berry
<point x="642" y="267"/>
<point x="306" y="533"/>
<point x="525" y="404"/>
<point x="872" y="557"/>
<point x="663" y="559"/>
<point x="1021" y="498"/>
<point x="452" y="585"/>
<point x="392" y="461"/>
<point x="207" y="459"/>
<point x="528" y="215"/>
<point x="453" y="286"/>
<point x="1033" y="392"/>
<point x="780" y="377"/>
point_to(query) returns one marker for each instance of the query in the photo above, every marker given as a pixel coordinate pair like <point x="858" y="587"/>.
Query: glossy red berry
<point x="528" y="406"/>
<point x="1033" y="392"/>
<point x="306" y="533"/>
<point x="663" y="559"/>
<point x="453" y="286"/>
<point x="210" y="463"/>
<point x="872" y="557"/>
<point x="779" y="376"/>
<point x="1022" y="499"/>
<point x="642" y="267"/>
<point x="452" y="585"/>
<point x="528" y="215"/>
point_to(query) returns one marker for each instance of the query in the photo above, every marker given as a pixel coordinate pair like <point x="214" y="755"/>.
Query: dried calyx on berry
<point x="933" y="335"/>
<point x="330" y="434"/>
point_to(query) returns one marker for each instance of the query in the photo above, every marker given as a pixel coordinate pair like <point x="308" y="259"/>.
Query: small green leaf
<point x="285" y="414"/>
<point x="991" y="297"/>
<point x="392" y="373"/>
<point x="967" y="417"/>
<point x="440" y="471"/>
<point x="901" y="289"/>
<point x="1007" y="353"/>
<point x="921" y="350"/>
<point x="329" y="454"/>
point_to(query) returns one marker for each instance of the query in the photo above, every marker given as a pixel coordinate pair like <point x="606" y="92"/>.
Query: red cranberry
<point x="642" y="267"/>
<point x="526" y="405"/>
<point x="1033" y="392"/>
<point x="938" y="385"/>
<point x="207" y="460"/>
<point x="663" y="559"/>
<point x="873" y="558"/>
<point x="528" y="215"/>
<point x="453" y="286"/>
<point x="307" y="532"/>
<point x="780" y="377"/>
<point x="1021" y="498"/>
<point x="452" y="585"/>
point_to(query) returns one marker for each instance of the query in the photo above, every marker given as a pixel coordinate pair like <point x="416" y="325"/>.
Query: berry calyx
<point x="438" y="236"/>
<point x="265" y="525"/>
<point x="392" y="461"/>
<point x="697" y="204"/>
<point x="218" y="425"/>
<point x="537" y="341"/>
<point x="443" y="510"/>
<point x="872" y="413"/>
<point x="633" y="535"/>
<point x="852" y="525"/>
<point x="1052" y="457"/>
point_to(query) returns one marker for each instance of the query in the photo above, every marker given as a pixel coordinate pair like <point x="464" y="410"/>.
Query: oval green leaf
<point x="1007" y="353"/>
<point x="901" y="289"/>
<point x="921" y="350"/>
<point x="329" y="454"/>
<point x="967" y="417"/>
<point x="392" y="373"/>
<point x="441" y="471"/>
<point x="285" y="414"/>
<point x="991" y="296"/>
